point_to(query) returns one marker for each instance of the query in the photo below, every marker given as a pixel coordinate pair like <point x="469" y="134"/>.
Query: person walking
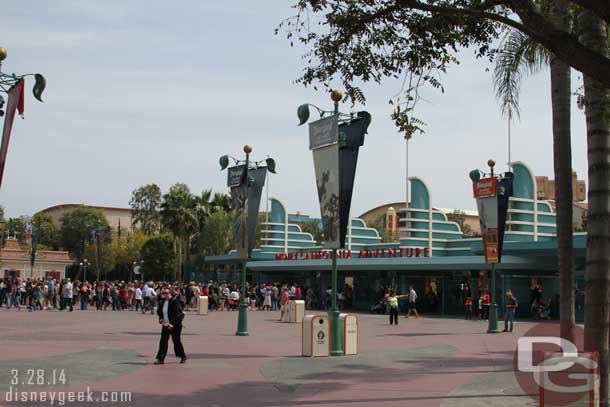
<point x="84" y="296"/>
<point x="139" y="299"/>
<point x="468" y="308"/>
<point x="485" y="302"/>
<point x="67" y="294"/>
<point x="266" y="291"/>
<point x="284" y="298"/>
<point x="170" y="317"/>
<point x="509" y="314"/>
<point x="412" y="303"/>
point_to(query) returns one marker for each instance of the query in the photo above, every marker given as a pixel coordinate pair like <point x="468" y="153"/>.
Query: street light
<point x="99" y="234"/>
<point x="13" y="86"/>
<point x="246" y="180"/>
<point x="84" y="264"/>
<point x="137" y="269"/>
<point x="334" y="141"/>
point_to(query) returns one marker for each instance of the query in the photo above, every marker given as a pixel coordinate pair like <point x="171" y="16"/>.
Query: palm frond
<point x="518" y="54"/>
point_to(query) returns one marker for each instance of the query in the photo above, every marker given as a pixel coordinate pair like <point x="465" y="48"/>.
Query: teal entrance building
<point x="433" y="256"/>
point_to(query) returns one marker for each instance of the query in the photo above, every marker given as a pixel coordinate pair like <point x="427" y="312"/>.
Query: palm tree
<point x="203" y="209"/>
<point x="222" y="202"/>
<point x="179" y="215"/>
<point x="594" y="35"/>
<point x="521" y="54"/>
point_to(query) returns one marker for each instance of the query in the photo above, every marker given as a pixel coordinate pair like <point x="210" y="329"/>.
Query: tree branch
<point x="599" y="7"/>
<point x="562" y="44"/>
<point x="414" y="4"/>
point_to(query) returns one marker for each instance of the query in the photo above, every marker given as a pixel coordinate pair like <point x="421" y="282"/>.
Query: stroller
<point x="379" y="308"/>
<point x="541" y="310"/>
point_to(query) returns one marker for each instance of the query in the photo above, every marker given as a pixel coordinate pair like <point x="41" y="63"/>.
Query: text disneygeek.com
<point x="62" y="398"/>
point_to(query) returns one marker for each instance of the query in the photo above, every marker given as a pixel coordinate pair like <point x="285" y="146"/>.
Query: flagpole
<point x="406" y="185"/>
<point x="510" y="163"/>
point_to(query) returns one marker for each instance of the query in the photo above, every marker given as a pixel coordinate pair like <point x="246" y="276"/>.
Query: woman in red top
<point x="123" y="297"/>
<point x="485" y="303"/>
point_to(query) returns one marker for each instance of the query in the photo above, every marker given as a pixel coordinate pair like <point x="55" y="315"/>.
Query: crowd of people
<point x="50" y="294"/>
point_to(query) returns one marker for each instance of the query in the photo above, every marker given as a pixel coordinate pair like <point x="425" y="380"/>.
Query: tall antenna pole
<point x="407" y="138"/>
<point x="267" y="203"/>
<point x="510" y="163"/>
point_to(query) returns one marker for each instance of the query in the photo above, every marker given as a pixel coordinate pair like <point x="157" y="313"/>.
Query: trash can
<point x="316" y="335"/>
<point x="202" y="305"/>
<point x="296" y="311"/>
<point x="349" y="333"/>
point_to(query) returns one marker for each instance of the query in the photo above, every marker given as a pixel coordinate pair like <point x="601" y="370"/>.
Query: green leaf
<point x="224" y="162"/>
<point x="39" y="86"/>
<point x="270" y="165"/>
<point x="367" y="119"/>
<point x="303" y="113"/>
<point x="475" y="175"/>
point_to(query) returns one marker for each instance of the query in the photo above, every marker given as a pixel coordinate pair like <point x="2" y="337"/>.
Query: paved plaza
<point x="421" y="362"/>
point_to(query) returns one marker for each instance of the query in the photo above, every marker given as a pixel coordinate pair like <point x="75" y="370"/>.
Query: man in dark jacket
<point x="170" y="316"/>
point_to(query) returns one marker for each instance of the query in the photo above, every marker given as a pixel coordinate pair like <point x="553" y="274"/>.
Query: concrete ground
<point x="421" y="362"/>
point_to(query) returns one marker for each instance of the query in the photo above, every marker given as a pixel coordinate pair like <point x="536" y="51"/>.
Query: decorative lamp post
<point x="84" y="264"/>
<point x="246" y="180"/>
<point x="34" y="235"/>
<point x="492" y="193"/>
<point x="334" y="141"/>
<point x="13" y="86"/>
<point x="137" y="269"/>
<point x="99" y="234"/>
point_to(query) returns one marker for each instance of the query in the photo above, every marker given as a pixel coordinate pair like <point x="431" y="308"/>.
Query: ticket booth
<point x="316" y="335"/>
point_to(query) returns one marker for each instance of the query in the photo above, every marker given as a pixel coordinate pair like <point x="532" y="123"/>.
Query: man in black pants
<point x="170" y="316"/>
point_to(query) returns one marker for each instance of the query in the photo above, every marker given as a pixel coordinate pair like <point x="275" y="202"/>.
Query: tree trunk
<point x="562" y="162"/>
<point x="597" y="275"/>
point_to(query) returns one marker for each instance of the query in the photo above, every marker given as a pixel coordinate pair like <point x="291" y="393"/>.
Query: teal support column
<point x="493" y="307"/>
<point x="335" y="344"/>
<point x="242" y="319"/>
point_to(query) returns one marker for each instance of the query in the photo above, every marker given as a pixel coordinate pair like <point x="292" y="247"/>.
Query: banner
<point x="493" y="195"/>
<point x="351" y="138"/>
<point x="505" y="191"/>
<point x="323" y="141"/>
<point x="246" y="203"/>
<point x="487" y="205"/>
<point x="15" y="101"/>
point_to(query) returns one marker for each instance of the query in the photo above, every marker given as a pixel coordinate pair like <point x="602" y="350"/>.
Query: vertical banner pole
<point x="336" y="348"/>
<point x="493" y="307"/>
<point x="242" y="319"/>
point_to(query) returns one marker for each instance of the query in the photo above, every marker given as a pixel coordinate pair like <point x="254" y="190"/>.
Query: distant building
<point x="579" y="216"/>
<point x="16" y="262"/>
<point x="114" y="216"/>
<point x="471" y="220"/>
<point x="378" y="214"/>
<point x="546" y="188"/>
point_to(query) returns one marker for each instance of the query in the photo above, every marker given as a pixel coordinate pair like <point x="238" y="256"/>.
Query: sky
<point x="146" y="92"/>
